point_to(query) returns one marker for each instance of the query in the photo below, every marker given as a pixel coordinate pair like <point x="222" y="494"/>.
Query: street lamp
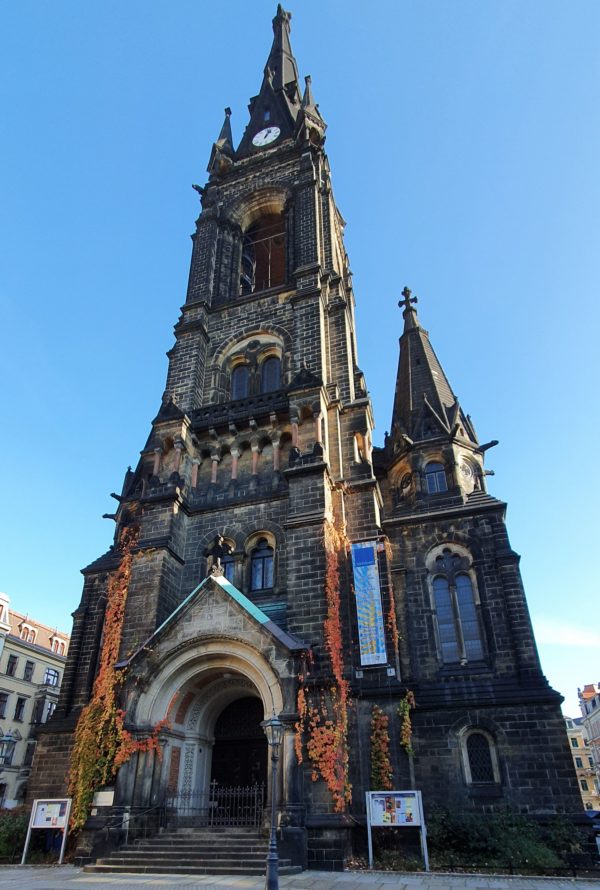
<point x="273" y="728"/>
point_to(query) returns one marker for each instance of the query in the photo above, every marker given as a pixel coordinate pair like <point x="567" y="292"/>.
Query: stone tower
<point x="280" y="563"/>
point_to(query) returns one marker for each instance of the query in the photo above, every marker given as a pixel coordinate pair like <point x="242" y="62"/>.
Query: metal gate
<point x="219" y="806"/>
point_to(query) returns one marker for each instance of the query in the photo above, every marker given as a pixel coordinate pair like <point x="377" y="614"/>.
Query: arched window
<point x="263" y="254"/>
<point x="261" y="566"/>
<point x="480" y="758"/>
<point x="240" y="379"/>
<point x="228" y="564"/>
<point x="270" y="374"/>
<point x="435" y="478"/>
<point x="458" y="625"/>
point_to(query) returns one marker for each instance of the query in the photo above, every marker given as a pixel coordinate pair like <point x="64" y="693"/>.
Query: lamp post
<point x="273" y="728"/>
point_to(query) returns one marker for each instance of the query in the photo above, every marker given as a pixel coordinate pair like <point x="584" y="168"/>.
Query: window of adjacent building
<point x="579" y="763"/>
<point x="261" y="566"/>
<point x="263" y="254"/>
<point x="58" y="646"/>
<point x="28" y="670"/>
<point x="574" y="743"/>
<point x="458" y="624"/>
<point x="51" y="677"/>
<point x="51" y="709"/>
<point x="3" y="703"/>
<point x="591" y="761"/>
<point x="11" y="665"/>
<point x="270" y="374"/>
<point x="584" y="785"/>
<point x="20" y="709"/>
<point x="38" y="710"/>
<point x="240" y="382"/>
<point x="435" y="478"/>
<point x="29" y="752"/>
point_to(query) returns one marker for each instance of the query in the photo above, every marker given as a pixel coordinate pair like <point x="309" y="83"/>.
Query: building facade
<point x="32" y="663"/>
<point x="589" y="702"/>
<point x="282" y="564"/>
<point x="583" y="761"/>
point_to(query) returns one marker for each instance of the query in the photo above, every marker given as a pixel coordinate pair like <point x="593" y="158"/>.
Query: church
<point x="270" y="562"/>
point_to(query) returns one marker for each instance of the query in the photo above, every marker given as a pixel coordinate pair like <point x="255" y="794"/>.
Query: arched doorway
<point x="240" y="751"/>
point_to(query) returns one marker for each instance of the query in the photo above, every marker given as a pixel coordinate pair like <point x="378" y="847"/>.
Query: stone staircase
<point x="225" y="851"/>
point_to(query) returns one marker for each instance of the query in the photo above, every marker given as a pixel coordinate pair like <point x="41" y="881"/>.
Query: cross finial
<point x="408" y="299"/>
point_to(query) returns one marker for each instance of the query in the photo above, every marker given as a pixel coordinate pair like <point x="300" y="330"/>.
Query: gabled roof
<point x="288" y="641"/>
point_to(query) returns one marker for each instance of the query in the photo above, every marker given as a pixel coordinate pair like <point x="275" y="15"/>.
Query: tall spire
<point x="281" y="59"/>
<point x="278" y="103"/>
<point x="424" y="404"/>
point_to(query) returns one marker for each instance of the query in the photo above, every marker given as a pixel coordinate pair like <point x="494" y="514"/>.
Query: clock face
<point x="266" y="136"/>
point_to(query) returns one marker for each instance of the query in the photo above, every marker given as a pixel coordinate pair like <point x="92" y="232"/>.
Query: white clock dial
<point x="266" y="136"/>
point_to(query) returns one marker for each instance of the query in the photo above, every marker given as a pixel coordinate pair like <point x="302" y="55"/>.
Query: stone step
<point x="186" y="870"/>
<point x="217" y="855"/>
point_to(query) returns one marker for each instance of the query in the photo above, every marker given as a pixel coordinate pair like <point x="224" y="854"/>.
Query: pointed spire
<point x="310" y="124"/>
<point x="281" y="59"/>
<point x="277" y="105"/>
<point x="225" y="140"/>
<point x="424" y="404"/>
<point x="222" y="150"/>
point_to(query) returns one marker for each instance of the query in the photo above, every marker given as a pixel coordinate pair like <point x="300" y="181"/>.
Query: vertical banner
<point x="371" y="630"/>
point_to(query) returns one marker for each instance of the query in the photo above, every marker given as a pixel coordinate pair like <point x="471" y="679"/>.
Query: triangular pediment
<point x="217" y="609"/>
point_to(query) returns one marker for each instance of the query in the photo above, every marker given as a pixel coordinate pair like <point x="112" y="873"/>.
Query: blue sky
<point x="464" y="140"/>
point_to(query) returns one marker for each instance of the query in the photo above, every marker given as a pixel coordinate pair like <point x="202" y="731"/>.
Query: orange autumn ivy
<point x="102" y="744"/>
<point x="381" y="766"/>
<point x="326" y="723"/>
<point x="392" y="622"/>
<point x="407" y="704"/>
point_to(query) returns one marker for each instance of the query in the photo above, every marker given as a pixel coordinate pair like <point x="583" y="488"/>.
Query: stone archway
<point x="200" y="688"/>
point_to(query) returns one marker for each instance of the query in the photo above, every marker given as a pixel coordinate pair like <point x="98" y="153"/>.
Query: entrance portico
<point x="214" y="671"/>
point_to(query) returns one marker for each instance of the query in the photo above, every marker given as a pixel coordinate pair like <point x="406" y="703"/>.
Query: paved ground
<point x="68" y="878"/>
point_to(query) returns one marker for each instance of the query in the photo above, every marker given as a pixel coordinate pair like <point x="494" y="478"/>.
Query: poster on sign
<point x="396" y="809"/>
<point x="51" y="815"/>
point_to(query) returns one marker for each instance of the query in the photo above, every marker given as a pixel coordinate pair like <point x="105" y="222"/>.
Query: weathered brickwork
<point x="269" y="464"/>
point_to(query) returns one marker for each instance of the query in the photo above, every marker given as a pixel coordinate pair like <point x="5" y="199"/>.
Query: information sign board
<point x="396" y="809"/>
<point x="50" y="814"/>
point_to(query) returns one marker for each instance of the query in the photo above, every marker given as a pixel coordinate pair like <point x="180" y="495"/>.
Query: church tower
<point x="270" y="561"/>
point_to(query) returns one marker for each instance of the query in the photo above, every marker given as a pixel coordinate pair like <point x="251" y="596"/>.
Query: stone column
<point x="235" y="456"/>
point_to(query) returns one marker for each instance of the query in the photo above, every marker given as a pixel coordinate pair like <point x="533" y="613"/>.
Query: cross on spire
<point x="408" y="299"/>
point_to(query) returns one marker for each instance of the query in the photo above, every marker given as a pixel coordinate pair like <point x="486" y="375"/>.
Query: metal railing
<point x="218" y="806"/>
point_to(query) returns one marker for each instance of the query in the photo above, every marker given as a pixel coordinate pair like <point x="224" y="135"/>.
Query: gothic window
<point x="481" y="762"/>
<point x="228" y="564"/>
<point x="459" y="630"/>
<point x="261" y="566"/>
<point x="435" y="478"/>
<point x="270" y="374"/>
<point x="240" y="379"/>
<point x="263" y="254"/>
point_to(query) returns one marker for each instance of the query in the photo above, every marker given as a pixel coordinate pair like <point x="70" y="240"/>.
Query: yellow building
<point x="583" y="760"/>
<point x="32" y="662"/>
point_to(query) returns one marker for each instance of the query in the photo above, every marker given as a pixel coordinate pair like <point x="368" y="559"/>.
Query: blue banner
<point x="371" y="630"/>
